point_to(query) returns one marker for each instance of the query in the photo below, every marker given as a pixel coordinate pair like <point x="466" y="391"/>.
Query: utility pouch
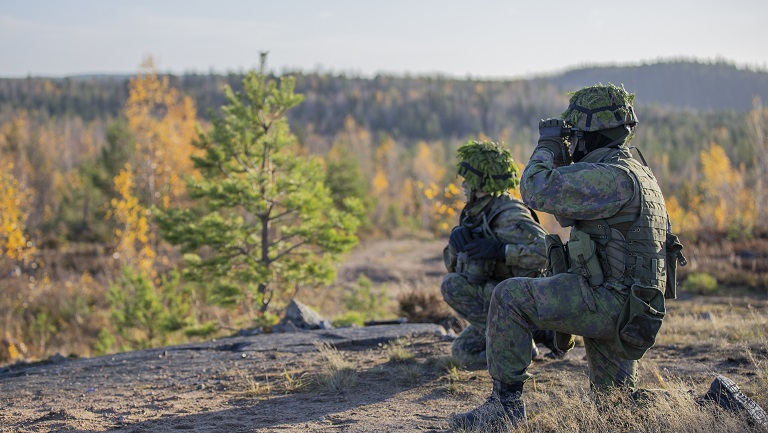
<point x="640" y="321"/>
<point x="475" y="271"/>
<point x="557" y="256"/>
<point x="674" y="257"/>
<point x="582" y="252"/>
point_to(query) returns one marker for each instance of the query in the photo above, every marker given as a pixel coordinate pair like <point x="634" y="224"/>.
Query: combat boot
<point x="725" y="393"/>
<point x="503" y="409"/>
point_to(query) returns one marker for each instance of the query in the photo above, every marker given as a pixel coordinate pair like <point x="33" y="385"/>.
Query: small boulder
<point x="301" y="316"/>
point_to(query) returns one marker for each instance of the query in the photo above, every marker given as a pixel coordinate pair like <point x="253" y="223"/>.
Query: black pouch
<point x="674" y="257"/>
<point x="557" y="255"/>
<point x="640" y="321"/>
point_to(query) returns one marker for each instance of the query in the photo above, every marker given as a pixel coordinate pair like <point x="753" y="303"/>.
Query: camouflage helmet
<point x="487" y="167"/>
<point x="599" y="107"/>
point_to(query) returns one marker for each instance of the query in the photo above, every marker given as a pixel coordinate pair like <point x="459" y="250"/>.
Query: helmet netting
<point x="488" y="167"/>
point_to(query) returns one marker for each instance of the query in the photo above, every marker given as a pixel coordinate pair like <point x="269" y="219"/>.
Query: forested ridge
<point x="679" y="103"/>
<point x="89" y="165"/>
<point x="331" y="97"/>
<point x="678" y="84"/>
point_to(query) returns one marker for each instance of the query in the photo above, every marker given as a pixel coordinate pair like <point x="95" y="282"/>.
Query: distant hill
<point x="681" y="84"/>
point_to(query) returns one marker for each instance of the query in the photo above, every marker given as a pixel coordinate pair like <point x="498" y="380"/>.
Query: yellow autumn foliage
<point x="14" y="242"/>
<point x="163" y="122"/>
<point x="722" y="203"/>
<point x="132" y="234"/>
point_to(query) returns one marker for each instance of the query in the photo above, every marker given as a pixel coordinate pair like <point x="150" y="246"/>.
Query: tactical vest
<point x="480" y="225"/>
<point x="632" y="251"/>
<point x="631" y="244"/>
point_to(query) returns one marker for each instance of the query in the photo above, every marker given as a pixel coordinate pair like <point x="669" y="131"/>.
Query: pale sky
<point x="478" y="38"/>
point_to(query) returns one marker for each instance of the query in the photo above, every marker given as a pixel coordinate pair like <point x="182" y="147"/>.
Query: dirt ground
<point x="391" y="378"/>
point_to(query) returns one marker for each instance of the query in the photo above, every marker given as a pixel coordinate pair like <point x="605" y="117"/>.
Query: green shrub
<point x="145" y="314"/>
<point x="203" y="330"/>
<point x="366" y="300"/>
<point x="701" y="283"/>
<point x="349" y="318"/>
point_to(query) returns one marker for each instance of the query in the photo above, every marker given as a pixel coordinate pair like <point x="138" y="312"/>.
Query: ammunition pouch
<point x="582" y="253"/>
<point x="557" y="255"/>
<point x="674" y="257"/>
<point x="640" y="321"/>
<point x="475" y="271"/>
<point x="557" y="263"/>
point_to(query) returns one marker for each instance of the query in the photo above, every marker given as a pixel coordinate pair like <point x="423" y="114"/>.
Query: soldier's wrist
<point x="542" y="153"/>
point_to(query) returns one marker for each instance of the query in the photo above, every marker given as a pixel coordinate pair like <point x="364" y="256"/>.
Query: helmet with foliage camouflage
<point x="487" y="167"/>
<point x="599" y="107"/>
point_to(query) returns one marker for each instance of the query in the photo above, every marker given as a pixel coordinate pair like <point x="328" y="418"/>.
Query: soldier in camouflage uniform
<point x="619" y="225"/>
<point x="498" y="237"/>
<point x="610" y="285"/>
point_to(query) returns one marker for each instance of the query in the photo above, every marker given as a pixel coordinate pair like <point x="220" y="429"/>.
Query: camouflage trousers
<point x="564" y="303"/>
<point x="471" y="302"/>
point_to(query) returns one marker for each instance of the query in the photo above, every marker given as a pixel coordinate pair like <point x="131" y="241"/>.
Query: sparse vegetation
<point x="366" y="300"/>
<point x="350" y="318"/>
<point x="398" y="351"/>
<point x="335" y="375"/>
<point x="422" y="303"/>
<point x="407" y="374"/>
<point x="701" y="283"/>
<point x="672" y="410"/>
<point x="249" y="386"/>
<point x="293" y="381"/>
<point x="362" y="386"/>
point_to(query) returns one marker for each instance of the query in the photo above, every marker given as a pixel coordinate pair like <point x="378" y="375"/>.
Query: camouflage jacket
<point x="580" y="191"/>
<point x="597" y="195"/>
<point x="513" y="225"/>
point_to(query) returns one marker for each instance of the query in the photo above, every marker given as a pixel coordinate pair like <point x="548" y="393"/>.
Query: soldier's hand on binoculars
<point x="552" y="131"/>
<point x="552" y="127"/>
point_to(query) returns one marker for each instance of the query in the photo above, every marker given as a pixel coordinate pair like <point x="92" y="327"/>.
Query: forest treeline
<point x="89" y="166"/>
<point x="683" y="106"/>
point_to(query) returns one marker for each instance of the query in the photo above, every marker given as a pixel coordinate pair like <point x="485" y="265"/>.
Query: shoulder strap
<point x="488" y="219"/>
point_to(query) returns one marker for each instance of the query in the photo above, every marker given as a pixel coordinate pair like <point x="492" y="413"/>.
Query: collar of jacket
<point x="476" y="208"/>
<point x="604" y="153"/>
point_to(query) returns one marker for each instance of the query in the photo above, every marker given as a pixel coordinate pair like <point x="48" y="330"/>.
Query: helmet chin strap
<point x="578" y="147"/>
<point x="472" y="196"/>
<point x="580" y="143"/>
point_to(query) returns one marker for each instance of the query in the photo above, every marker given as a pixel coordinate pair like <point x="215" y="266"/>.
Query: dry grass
<point x="674" y="410"/>
<point x="570" y="409"/>
<point x="727" y="332"/>
<point x="399" y="351"/>
<point x="722" y="325"/>
<point x="336" y="375"/>
<point x="246" y="385"/>
<point x="700" y="335"/>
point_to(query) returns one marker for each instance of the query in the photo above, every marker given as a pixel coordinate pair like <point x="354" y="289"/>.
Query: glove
<point x="551" y="138"/>
<point x="459" y="238"/>
<point x="552" y="127"/>
<point x="484" y="249"/>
